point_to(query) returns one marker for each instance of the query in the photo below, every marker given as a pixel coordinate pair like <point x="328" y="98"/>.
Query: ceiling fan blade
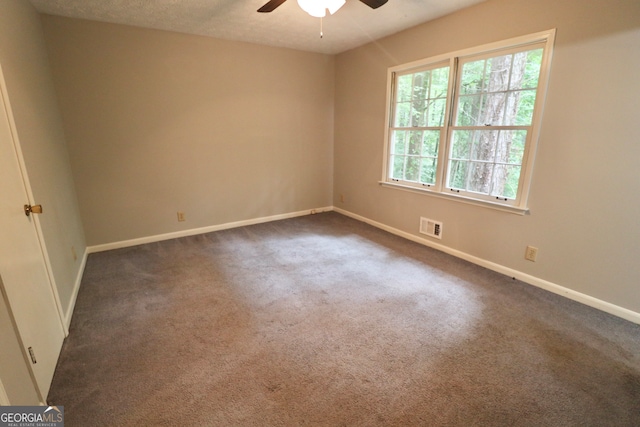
<point x="374" y="4"/>
<point x="270" y="6"/>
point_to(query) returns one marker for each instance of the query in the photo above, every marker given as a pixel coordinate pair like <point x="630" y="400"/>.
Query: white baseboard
<point x="202" y="230"/>
<point x="74" y="294"/>
<point x="607" y="307"/>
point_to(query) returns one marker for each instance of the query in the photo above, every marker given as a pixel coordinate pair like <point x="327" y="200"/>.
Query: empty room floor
<point x="324" y="320"/>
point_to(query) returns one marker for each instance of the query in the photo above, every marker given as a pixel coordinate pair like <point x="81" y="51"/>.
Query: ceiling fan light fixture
<point x="318" y="8"/>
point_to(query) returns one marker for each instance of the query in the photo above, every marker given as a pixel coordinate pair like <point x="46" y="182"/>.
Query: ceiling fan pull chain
<point x="321" y="34"/>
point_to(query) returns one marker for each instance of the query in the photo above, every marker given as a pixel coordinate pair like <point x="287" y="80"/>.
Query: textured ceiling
<point x="288" y="26"/>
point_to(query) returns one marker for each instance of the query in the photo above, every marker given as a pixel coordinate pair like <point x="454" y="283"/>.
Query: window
<point x="465" y="125"/>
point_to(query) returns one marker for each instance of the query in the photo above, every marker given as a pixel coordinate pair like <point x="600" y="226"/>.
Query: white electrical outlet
<point x="181" y="217"/>
<point x="531" y="253"/>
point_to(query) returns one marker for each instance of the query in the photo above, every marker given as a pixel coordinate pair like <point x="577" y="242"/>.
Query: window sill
<point x="456" y="197"/>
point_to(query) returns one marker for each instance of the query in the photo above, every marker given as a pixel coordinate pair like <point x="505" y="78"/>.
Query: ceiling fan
<point x="271" y="5"/>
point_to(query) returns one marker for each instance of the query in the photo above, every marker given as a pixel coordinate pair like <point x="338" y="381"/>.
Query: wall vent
<point x="431" y="228"/>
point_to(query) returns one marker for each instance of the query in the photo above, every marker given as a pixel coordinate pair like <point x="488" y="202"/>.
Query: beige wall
<point x="585" y="204"/>
<point x="23" y="57"/>
<point x="160" y="122"/>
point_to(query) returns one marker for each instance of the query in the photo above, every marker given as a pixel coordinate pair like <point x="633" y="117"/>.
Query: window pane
<point x="492" y="110"/>
<point x="403" y="111"/>
<point x="461" y="144"/>
<point x="414" y="143"/>
<point x="403" y="90"/>
<point x="505" y="181"/>
<point x="458" y="174"/>
<point x="473" y="77"/>
<point x="510" y="147"/>
<point x="480" y="176"/>
<point x="397" y="163"/>
<point x="521" y="105"/>
<point x="430" y="143"/>
<point x="419" y="113"/>
<point x="421" y="98"/>
<point x="436" y="112"/>
<point x="428" y="171"/>
<point x="499" y="71"/>
<point x="496" y="157"/>
<point x="484" y="145"/>
<point x="420" y="85"/>
<point x="532" y="62"/>
<point x="501" y="79"/>
<point x="398" y="145"/>
<point x="412" y="169"/>
<point x="439" y="83"/>
<point x="468" y="109"/>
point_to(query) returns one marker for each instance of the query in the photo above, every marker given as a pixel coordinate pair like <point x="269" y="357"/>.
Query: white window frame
<point x="519" y="205"/>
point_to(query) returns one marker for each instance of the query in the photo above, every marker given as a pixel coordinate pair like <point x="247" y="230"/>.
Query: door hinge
<point x="33" y="355"/>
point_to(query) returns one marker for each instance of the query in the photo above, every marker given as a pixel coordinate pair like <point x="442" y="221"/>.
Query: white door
<point x="23" y="268"/>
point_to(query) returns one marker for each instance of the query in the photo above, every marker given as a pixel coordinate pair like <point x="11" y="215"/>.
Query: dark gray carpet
<point x="323" y="320"/>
